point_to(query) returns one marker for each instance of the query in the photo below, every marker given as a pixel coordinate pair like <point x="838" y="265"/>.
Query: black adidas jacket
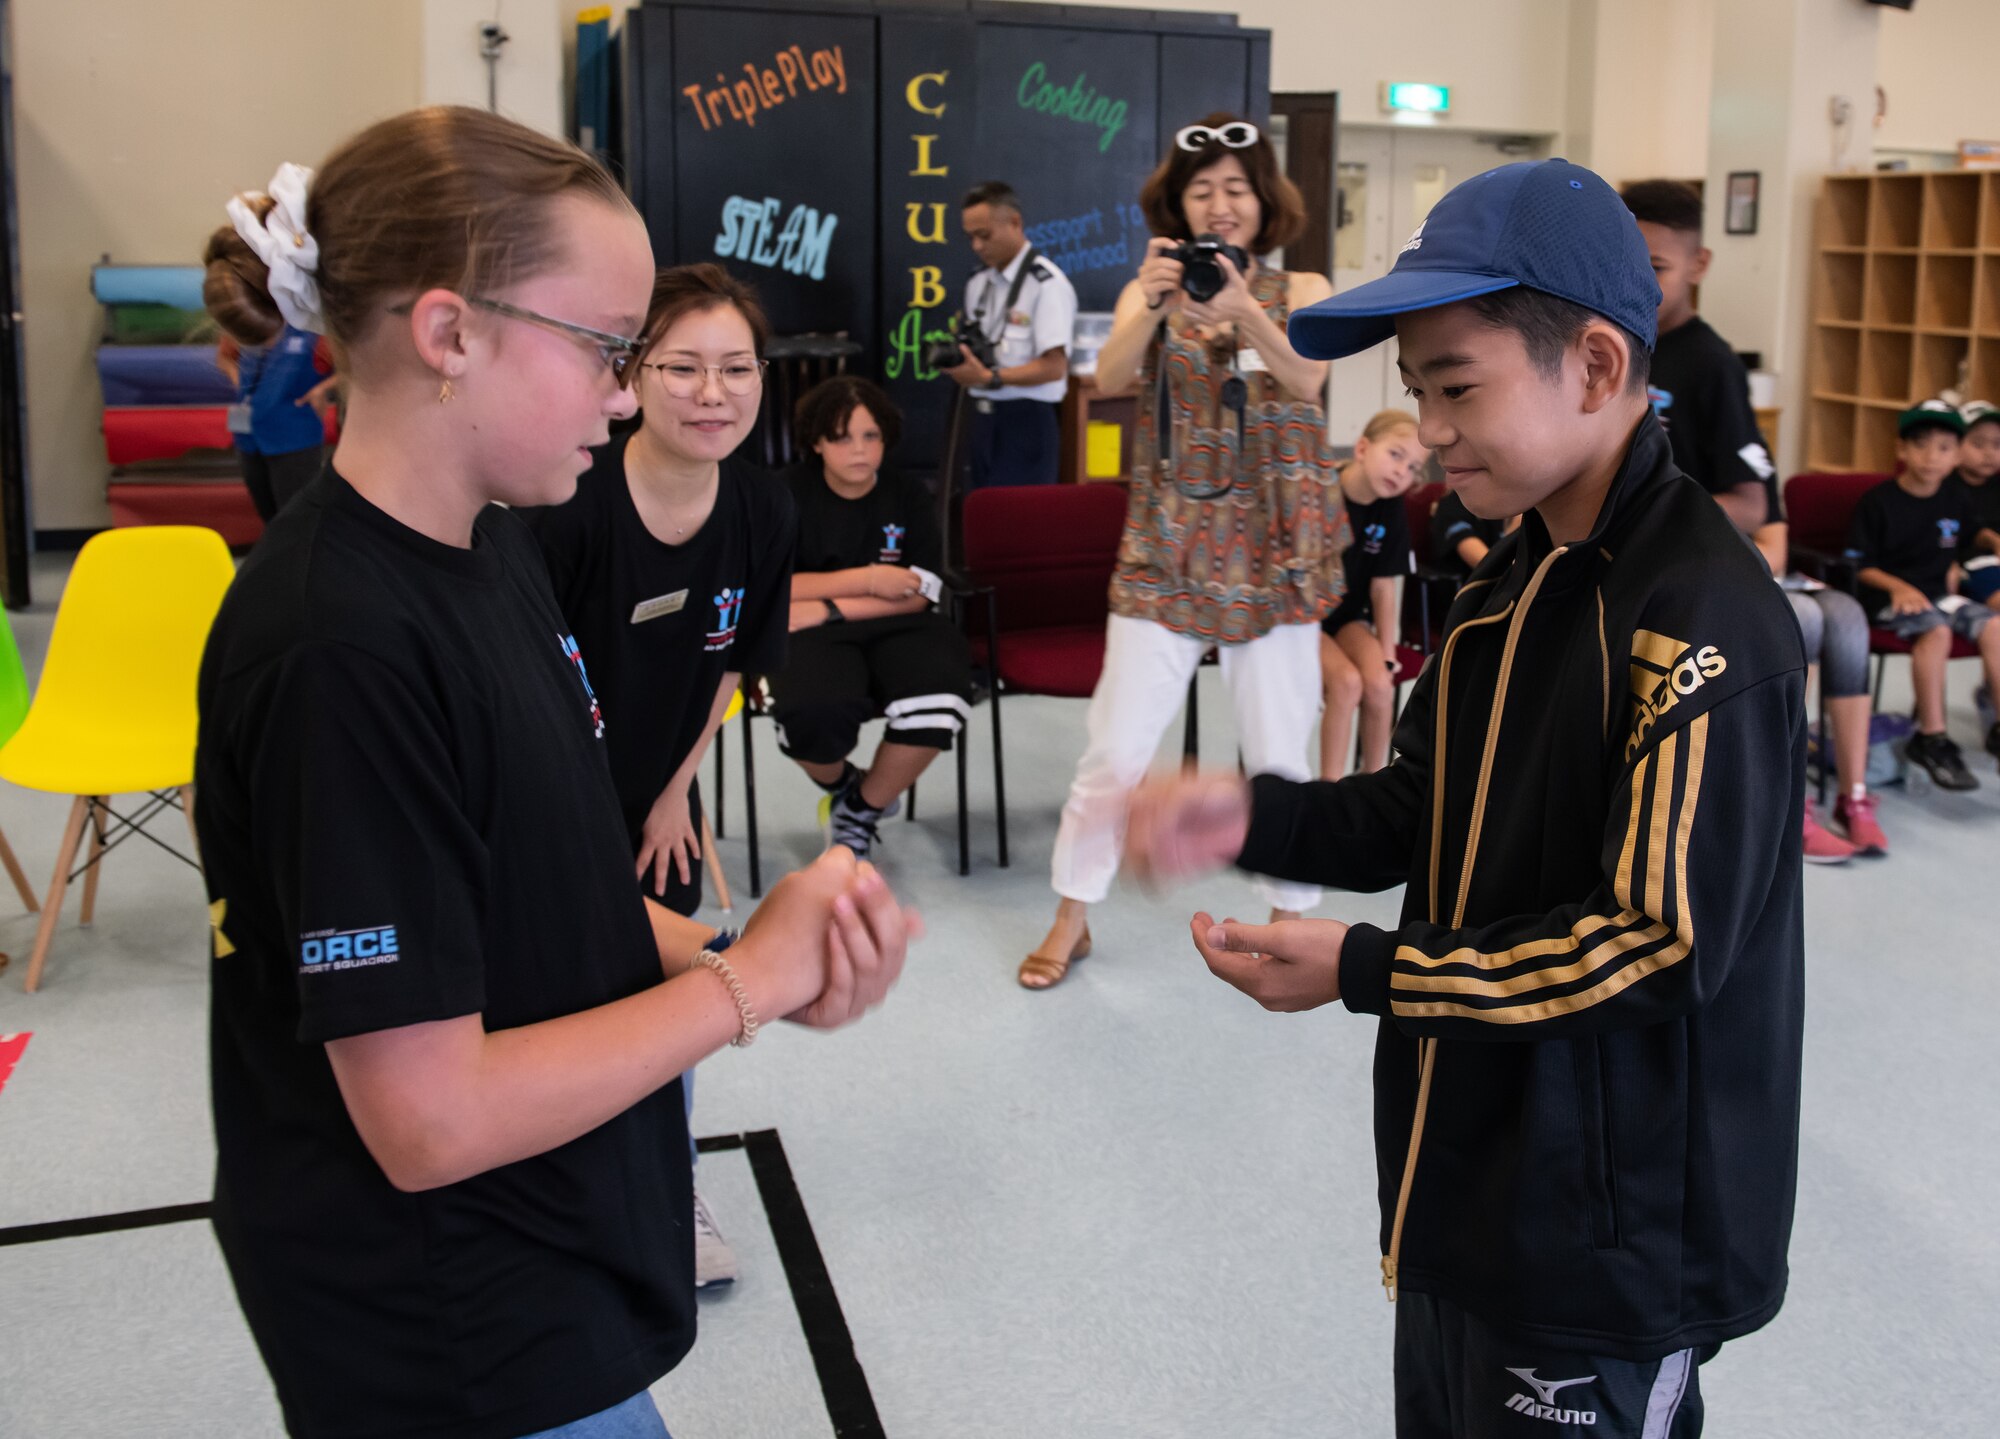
<point x="1595" y="802"/>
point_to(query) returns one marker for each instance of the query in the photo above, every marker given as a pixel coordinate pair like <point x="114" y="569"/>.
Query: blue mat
<point x="162" y="375"/>
<point x="177" y="285"/>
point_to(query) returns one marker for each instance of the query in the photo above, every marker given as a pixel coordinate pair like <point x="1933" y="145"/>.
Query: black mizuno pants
<point x="1456" y="1378"/>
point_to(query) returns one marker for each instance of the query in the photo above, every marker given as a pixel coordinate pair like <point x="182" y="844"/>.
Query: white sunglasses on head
<point x="1237" y="135"/>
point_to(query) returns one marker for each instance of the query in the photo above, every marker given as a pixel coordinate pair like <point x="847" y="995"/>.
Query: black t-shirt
<point x="1916" y="539"/>
<point x="406" y="816"/>
<point x="659" y="624"/>
<point x="1983" y="510"/>
<point x="893" y="524"/>
<point x="1451" y="523"/>
<point x="1701" y="392"/>
<point x="1380" y="548"/>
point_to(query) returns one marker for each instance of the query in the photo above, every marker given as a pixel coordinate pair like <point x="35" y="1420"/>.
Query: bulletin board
<point x="820" y="151"/>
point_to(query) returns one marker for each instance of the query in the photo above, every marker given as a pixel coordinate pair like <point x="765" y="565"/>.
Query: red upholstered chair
<point x="1040" y="557"/>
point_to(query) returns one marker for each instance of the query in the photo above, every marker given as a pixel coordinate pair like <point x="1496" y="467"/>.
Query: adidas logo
<point x="1664" y="672"/>
<point x="1416" y="240"/>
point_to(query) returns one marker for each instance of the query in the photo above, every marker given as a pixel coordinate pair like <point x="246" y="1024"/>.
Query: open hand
<point x="1288" y="966"/>
<point x="668" y="841"/>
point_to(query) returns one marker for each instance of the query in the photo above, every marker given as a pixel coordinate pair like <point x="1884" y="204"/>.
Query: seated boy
<point x="1460" y="539"/>
<point x="1591" y="1009"/>
<point x="866" y="638"/>
<point x="1979" y="468"/>
<point x="1905" y="539"/>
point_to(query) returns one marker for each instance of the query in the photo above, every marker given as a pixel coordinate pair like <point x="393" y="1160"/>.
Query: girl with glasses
<point x="671" y="564"/>
<point x="1234" y="532"/>
<point x="452" y="1181"/>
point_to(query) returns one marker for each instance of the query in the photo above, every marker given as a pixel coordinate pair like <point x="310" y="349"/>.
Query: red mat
<point x="220" y="505"/>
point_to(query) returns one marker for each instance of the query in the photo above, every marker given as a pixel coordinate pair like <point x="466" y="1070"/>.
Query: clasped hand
<point x="827" y="944"/>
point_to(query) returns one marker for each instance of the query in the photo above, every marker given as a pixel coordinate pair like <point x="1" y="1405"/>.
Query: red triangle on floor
<point x="12" y="1046"/>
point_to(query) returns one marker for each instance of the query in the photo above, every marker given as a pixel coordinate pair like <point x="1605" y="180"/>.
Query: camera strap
<point x="1235" y="396"/>
<point x="1028" y="258"/>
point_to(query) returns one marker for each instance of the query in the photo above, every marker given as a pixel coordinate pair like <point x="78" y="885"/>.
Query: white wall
<point x="1640" y="79"/>
<point x="1940" y="65"/>
<point x="136" y="121"/>
<point x="530" y="74"/>
<point x="1505" y="60"/>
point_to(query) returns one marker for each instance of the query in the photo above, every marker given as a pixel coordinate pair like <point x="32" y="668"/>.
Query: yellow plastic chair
<point x="115" y="712"/>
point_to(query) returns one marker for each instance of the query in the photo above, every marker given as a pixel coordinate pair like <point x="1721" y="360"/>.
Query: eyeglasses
<point x="1237" y="135"/>
<point x="619" y="352"/>
<point x="683" y="379"/>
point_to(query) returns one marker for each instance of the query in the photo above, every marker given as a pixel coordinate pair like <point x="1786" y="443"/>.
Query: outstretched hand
<point x="1181" y="826"/>
<point x="1288" y="966"/>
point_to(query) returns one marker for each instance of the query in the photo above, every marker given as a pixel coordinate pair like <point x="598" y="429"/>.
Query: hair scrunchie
<point x="286" y="247"/>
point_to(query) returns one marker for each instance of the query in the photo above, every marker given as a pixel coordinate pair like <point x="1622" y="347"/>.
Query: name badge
<point x="1251" y="362"/>
<point x="1020" y="317"/>
<point x="237" y="417"/>
<point x="654" y="608"/>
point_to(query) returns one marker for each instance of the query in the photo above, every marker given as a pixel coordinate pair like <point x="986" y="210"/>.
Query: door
<point x="1390" y="177"/>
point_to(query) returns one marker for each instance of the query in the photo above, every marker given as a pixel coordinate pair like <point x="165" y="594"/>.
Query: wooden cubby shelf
<point x="1951" y="210"/>
<point x="1896" y="213"/>
<point x="1906" y="305"/>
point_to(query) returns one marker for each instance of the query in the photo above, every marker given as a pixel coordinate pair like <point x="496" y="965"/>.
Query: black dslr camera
<point x="944" y="355"/>
<point x="1201" y="277"/>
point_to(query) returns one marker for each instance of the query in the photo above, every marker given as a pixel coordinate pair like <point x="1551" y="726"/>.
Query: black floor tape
<point x="849" y="1402"/>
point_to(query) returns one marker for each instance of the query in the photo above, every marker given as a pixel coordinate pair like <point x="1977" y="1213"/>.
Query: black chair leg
<point x="999" y="776"/>
<point x="1881" y="669"/>
<point x="721" y="744"/>
<point x="964" y="837"/>
<point x="1825" y="741"/>
<point x="1191" y="736"/>
<point x="910" y="804"/>
<point x="750" y="808"/>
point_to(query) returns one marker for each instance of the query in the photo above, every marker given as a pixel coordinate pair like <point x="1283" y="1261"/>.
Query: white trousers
<point x="1274" y="688"/>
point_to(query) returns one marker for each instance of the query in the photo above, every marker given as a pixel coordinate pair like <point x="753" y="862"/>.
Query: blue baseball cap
<point x="1545" y="224"/>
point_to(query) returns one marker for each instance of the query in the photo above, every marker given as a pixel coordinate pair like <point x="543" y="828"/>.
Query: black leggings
<point x="914" y="669"/>
<point x="273" y="479"/>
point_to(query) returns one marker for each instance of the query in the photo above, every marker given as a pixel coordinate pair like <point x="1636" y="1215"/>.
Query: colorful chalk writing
<point x="907" y="343"/>
<point x="924" y="223"/>
<point x="764" y="88"/>
<point x="1075" y="101"/>
<point x="749" y="233"/>
<point x="1081" y="243"/>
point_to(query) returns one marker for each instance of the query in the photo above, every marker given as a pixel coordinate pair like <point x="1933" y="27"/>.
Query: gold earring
<point x="444" y="391"/>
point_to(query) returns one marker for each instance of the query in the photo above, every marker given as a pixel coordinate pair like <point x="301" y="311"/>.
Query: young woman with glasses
<point x="452" y="1181"/>
<point x="1235" y="527"/>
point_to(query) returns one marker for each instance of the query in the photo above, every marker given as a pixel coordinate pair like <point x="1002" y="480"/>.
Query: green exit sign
<point x="1412" y="98"/>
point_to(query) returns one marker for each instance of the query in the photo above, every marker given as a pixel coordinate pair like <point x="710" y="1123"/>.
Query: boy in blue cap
<point x="1587" y="1066"/>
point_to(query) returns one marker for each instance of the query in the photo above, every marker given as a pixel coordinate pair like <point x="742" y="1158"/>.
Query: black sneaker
<point x="1941" y="760"/>
<point x="850" y="822"/>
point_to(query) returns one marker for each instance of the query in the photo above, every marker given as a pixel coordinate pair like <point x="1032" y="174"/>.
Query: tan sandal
<point x="1038" y="971"/>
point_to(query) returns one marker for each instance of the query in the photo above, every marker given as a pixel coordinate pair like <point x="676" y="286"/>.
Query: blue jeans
<point x="636" y="1418"/>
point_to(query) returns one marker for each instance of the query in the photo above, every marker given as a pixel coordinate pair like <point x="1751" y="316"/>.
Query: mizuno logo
<point x="1664" y="672"/>
<point x="1546" y="1391"/>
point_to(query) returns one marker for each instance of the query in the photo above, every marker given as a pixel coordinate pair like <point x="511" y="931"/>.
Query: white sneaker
<point x="714" y="1260"/>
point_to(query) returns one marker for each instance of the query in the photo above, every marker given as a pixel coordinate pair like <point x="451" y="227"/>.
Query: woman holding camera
<point x="1235" y="528"/>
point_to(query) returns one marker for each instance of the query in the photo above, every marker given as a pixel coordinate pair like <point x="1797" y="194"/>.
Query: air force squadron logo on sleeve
<point x="323" y="951"/>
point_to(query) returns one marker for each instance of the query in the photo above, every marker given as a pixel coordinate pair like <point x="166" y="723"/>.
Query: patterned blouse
<point x="1263" y="552"/>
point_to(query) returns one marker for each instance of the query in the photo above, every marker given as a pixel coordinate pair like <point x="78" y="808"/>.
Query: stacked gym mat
<point x="166" y="404"/>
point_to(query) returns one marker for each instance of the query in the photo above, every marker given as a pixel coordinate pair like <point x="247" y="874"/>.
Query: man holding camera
<point x="1020" y="313"/>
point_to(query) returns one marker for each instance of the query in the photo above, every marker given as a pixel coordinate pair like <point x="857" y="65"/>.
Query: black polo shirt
<point x="406" y="816"/>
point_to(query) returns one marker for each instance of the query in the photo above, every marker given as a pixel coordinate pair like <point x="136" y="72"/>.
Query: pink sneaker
<point x="1862" y="831"/>
<point x="1822" y="845"/>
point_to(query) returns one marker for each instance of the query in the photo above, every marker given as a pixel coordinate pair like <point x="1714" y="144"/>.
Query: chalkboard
<point x="821" y="152"/>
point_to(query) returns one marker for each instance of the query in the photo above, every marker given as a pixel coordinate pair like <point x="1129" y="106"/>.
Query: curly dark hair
<point x="824" y="410"/>
<point x="1284" y="209"/>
